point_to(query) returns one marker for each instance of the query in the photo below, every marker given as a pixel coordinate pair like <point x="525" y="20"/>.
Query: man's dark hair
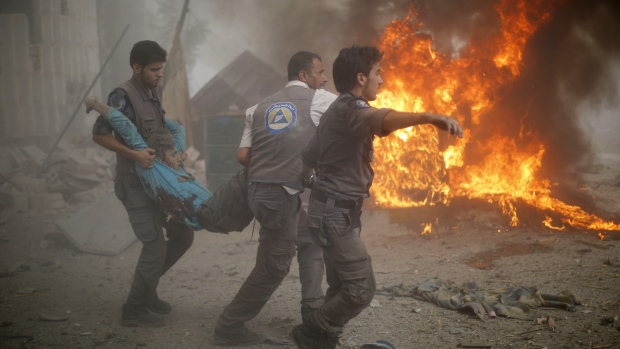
<point x="350" y="62"/>
<point x="302" y="60"/>
<point x="146" y="52"/>
<point x="161" y="141"/>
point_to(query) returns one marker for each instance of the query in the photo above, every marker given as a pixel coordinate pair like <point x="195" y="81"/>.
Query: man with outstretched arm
<point x="339" y="156"/>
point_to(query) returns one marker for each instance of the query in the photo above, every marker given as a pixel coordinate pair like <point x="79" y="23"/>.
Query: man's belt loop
<point x="329" y="207"/>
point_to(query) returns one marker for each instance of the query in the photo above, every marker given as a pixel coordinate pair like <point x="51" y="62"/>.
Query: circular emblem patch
<point x="362" y="104"/>
<point x="118" y="101"/>
<point x="280" y="117"/>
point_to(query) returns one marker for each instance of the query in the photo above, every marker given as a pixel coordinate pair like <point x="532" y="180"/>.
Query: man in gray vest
<point x="140" y="100"/>
<point x="276" y="131"/>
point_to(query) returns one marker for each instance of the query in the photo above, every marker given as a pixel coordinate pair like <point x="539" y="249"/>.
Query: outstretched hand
<point x="145" y="158"/>
<point x="449" y="125"/>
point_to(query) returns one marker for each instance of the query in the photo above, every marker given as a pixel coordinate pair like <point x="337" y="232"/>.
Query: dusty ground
<point x="56" y="280"/>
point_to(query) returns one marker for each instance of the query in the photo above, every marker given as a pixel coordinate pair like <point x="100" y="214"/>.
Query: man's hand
<point x="183" y="156"/>
<point x="309" y="180"/>
<point x="449" y="125"/>
<point x="145" y="158"/>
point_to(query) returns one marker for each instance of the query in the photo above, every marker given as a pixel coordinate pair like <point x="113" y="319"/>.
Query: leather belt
<point x="350" y="204"/>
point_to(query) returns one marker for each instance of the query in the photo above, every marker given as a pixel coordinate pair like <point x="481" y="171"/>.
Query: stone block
<point x="18" y="157"/>
<point x="49" y="201"/>
<point x="31" y="185"/>
<point x="102" y="227"/>
<point x="80" y="165"/>
<point x="15" y="200"/>
<point x="34" y="153"/>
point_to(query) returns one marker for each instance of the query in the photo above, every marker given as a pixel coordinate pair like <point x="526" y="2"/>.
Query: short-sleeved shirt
<point x="320" y="102"/>
<point x="118" y="99"/>
<point x="342" y="149"/>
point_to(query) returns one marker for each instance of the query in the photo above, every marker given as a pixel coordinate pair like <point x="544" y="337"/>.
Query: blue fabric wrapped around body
<point x="178" y="193"/>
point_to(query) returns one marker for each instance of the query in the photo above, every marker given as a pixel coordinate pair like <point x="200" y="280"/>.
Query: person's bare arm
<point x="396" y="120"/>
<point x="243" y="156"/>
<point x="144" y="158"/>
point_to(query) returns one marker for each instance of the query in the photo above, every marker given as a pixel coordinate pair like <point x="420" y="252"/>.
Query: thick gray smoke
<point x="567" y="75"/>
<point x="275" y="29"/>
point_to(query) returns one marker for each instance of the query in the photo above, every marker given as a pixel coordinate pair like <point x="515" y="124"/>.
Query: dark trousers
<point x="277" y="212"/>
<point x="348" y="268"/>
<point x="158" y="255"/>
<point x="311" y="266"/>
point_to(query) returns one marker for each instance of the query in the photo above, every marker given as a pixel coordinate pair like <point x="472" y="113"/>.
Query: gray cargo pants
<point x="157" y="255"/>
<point x="347" y="264"/>
<point x="278" y="214"/>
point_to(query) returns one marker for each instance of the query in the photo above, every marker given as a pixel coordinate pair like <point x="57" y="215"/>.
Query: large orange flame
<point x="418" y="166"/>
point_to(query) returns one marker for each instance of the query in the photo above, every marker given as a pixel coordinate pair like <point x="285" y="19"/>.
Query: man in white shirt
<point x="276" y="131"/>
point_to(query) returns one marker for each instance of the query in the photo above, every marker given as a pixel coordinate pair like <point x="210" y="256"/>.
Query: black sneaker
<point x="244" y="337"/>
<point x="159" y="307"/>
<point x="306" y="341"/>
<point x="133" y="316"/>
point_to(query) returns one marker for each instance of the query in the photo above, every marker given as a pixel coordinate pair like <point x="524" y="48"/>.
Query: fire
<point x="411" y="166"/>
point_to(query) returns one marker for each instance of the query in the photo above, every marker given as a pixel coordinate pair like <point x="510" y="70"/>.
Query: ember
<point x="418" y="167"/>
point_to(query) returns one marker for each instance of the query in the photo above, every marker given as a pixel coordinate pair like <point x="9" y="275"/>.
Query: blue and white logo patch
<point x="362" y="104"/>
<point x="118" y="101"/>
<point x="280" y="117"/>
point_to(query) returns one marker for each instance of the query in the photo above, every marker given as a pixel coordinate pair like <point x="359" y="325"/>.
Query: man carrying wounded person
<point x="180" y="196"/>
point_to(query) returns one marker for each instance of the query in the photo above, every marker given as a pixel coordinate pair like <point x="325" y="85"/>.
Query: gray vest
<point x="281" y="128"/>
<point x="149" y="117"/>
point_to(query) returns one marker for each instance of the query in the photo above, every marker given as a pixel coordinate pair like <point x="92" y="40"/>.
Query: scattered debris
<point x="375" y="304"/>
<point x="379" y="344"/>
<point x="457" y="331"/>
<point x="613" y="262"/>
<point x="24" y="291"/>
<point x="477" y="345"/>
<point x="20" y="268"/>
<point x="101" y="227"/>
<point x="514" y="302"/>
<point x="50" y="317"/>
<point x="546" y="320"/>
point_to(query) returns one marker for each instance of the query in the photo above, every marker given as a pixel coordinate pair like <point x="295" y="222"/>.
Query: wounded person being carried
<point x="179" y="195"/>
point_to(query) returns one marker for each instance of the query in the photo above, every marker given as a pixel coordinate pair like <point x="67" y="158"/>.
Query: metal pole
<point x="85" y="95"/>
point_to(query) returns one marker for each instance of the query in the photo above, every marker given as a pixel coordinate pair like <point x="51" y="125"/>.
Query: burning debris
<point x="509" y="155"/>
